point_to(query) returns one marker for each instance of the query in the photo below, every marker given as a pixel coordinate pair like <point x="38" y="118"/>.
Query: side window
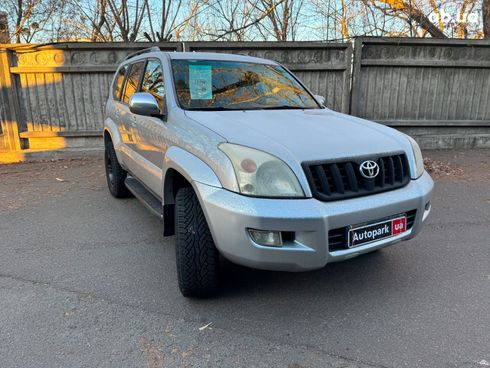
<point x="118" y="82"/>
<point x="153" y="81"/>
<point x="131" y="85"/>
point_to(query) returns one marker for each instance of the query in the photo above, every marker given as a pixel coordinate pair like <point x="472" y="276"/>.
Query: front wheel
<point x="197" y="257"/>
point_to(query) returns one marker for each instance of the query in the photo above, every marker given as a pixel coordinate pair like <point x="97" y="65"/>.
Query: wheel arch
<point x="182" y="169"/>
<point x="111" y="134"/>
<point x="107" y="136"/>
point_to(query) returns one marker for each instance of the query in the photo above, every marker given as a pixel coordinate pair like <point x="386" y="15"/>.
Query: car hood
<point x="303" y="135"/>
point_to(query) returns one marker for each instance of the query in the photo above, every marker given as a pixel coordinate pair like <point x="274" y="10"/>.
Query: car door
<point x="151" y="144"/>
<point x="116" y="111"/>
<point x="129" y="135"/>
<point x="131" y="85"/>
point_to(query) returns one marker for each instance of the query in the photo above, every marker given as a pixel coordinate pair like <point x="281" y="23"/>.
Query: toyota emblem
<point x="369" y="169"/>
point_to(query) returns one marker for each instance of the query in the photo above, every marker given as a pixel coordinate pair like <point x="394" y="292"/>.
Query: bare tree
<point x="241" y="20"/>
<point x="410" y="11"/>
<point x="172" y="19"/>
<point x="128" y="17"/>
<point x="282" y="18"/>
<point x="238" y="20"/>
<point x="98" y="24"/>
<point x="344" y="29"/>
<point x="168" y="17"/>
<point x="4" y="29"/>
<point x="345" y="19"/>
<point x="29" y="17"/>
<point x="228" y="20"/>
<point x="91" y="20"/>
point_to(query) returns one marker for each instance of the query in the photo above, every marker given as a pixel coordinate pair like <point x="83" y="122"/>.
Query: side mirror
<point x="320" y="99"/>
<point x="143" y="103"/>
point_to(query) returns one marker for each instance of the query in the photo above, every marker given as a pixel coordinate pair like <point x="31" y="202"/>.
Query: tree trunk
<point x="19" y="21"/>
<point x="419" y="17"/>
<point x="486" y="18"/>
<point x="414" y="14"/>
<point x="97" y="32"/>
<point x="4" y="29"/>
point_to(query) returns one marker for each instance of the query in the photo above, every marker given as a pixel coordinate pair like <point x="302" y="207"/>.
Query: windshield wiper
<point x="217" y="108"/>
<point x="224" y="108"/>
<point x="283" y="107"/>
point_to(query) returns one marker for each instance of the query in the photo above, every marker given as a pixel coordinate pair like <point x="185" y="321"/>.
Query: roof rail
<point x="139" y="52"/>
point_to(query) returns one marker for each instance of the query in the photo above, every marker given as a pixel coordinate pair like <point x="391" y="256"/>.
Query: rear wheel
<point x="197" y="257"/>
<point x="115" y="174"/>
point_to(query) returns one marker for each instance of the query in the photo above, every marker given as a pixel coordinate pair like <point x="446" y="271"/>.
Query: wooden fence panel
<point x="436" y="90"/>
<point x="427" y="87"/>
<point x="63" y="87"/>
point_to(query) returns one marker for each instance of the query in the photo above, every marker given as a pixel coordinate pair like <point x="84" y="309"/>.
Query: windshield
<point x="230" y="85"/>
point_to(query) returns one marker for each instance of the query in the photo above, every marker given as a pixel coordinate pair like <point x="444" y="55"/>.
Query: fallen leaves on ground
<point x="438" y="169"/>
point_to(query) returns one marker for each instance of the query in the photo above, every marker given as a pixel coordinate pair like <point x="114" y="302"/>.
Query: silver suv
<point x="241" y="161"/>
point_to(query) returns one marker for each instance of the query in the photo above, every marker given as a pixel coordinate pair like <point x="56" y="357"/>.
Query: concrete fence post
<point x="9" y="133"/>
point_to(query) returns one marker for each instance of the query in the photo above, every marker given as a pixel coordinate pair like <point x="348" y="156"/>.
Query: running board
<point x="140" y="192"/>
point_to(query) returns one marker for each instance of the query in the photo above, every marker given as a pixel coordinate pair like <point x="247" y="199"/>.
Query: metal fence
<point x="437" y="90"/>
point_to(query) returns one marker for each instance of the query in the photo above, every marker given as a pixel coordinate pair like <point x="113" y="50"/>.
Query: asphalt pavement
<point x="87" y="280"/>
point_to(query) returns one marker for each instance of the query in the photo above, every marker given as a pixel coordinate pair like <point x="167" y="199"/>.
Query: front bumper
<point x="229" y="215"/>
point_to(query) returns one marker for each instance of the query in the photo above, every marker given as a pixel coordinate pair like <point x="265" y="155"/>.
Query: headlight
<point x="261" y="174"/>
<point x="419" y="159"/>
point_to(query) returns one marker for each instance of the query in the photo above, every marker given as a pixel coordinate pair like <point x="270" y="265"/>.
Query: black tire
<point x="197" y="258"/>
<point x="115" y="174"/>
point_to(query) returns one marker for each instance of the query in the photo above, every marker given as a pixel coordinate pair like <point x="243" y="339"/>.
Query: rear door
<point x="131" y="85"/>
<point x="152" y="130"/>
<point x="116" y="110"/>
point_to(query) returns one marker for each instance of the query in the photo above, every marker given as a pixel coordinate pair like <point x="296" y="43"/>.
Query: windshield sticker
<point x="200" y="82"/>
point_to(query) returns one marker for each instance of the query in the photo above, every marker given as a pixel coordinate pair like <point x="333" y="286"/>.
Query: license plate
<point x="377" y="231"/>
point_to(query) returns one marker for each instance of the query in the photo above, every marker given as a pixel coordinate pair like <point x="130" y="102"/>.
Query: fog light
<point x="267" y="238"/>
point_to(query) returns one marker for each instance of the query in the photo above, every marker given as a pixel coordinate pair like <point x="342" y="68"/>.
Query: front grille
<point x="337" y="238"/>
<point x="330" y="181"/>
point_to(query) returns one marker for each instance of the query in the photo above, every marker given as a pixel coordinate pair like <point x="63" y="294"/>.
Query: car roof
<point x="217" y="56"/>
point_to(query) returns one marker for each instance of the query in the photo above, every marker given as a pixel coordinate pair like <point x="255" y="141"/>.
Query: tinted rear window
<point x="131" y="85"/>
<point x="118" y="82"/>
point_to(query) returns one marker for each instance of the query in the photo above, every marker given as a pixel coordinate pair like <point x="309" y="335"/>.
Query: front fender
<point x="192" y="168"/>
